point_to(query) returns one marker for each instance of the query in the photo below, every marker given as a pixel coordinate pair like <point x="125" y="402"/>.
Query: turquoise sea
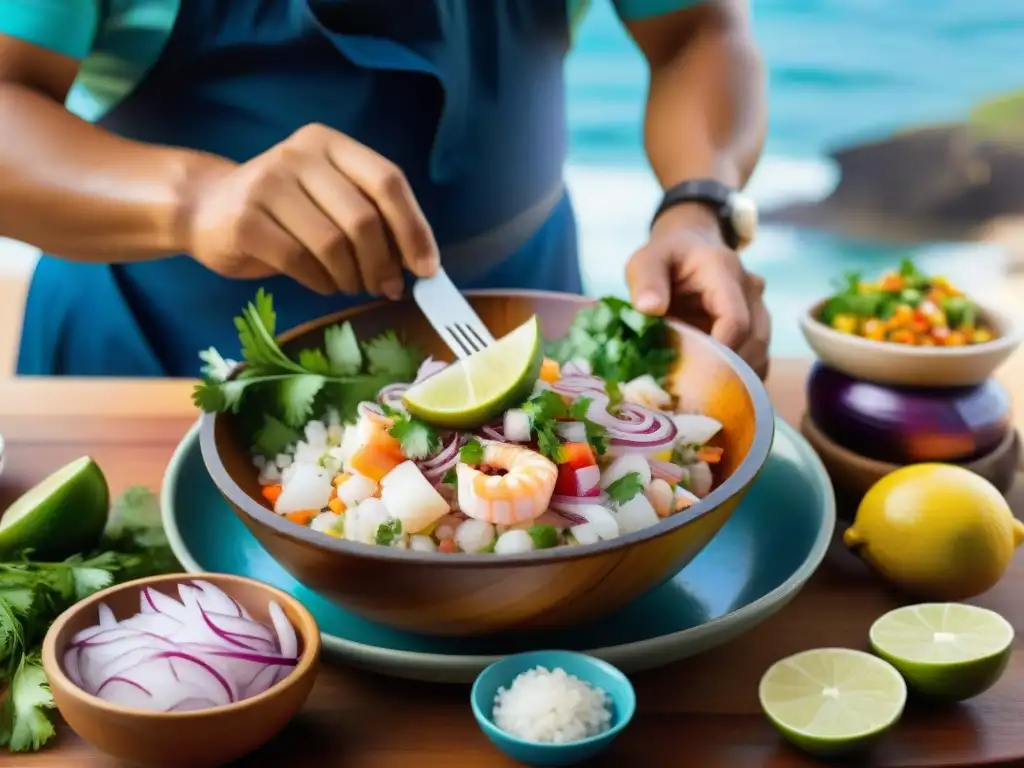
<point x="839" y="71"/>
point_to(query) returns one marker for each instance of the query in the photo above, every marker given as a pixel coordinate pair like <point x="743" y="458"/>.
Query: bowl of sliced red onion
<point x="176" y="670"/>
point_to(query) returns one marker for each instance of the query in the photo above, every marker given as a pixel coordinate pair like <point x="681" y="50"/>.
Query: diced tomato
<point x="446" y="545"/>
<point x="711" y="454"/>
<point x="565" y="485"/>
<point x="550" y="371"/>
<point x="302" y="516"/>
<point x="272" y="492"/>
<point x="374" y="462"/>
<point x="578" y="455"/>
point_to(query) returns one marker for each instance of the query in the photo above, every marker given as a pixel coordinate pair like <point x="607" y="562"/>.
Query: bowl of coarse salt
<point x="552" y="707"/>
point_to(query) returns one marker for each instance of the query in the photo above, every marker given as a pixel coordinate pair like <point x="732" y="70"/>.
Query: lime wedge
<point x="947" y="651"/>
<point x="831" y="701"/>
<point x="64" y="515"/>
<point x="475" y="390"/>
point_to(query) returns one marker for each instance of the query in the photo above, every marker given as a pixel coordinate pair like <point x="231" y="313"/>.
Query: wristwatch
<point x="736" y="212"/>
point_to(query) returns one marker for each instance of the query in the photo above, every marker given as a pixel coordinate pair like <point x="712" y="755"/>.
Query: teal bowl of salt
<point x="552" y="707"/>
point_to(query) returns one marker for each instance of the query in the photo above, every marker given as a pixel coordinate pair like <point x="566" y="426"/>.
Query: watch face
<point x="743" y="217"/>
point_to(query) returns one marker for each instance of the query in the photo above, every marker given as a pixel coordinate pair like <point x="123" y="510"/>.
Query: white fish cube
<point x="513" y="543"/>
<point x="601" y="519"/>
<point x="363" y="521"/>
<point x="411" y="498"/>
<point x="695" y="428"/>
<point x="701" y="478"/>
<point x="625" y="465"/>
<point x="644" y="391"/>
<point x="308" y="487"/>
<point x="356" y="489"/>
<point x="473" y="536"/>
<point x="585" y="533"/>
<point x="636" y="514"/>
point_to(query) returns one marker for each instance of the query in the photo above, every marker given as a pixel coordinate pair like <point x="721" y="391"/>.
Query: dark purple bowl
<point x="906" y="425"/>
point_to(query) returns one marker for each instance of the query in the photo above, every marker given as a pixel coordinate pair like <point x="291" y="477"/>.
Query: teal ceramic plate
<point x="758" y="561"/>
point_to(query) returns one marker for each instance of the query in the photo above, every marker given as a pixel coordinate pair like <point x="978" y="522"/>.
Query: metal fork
<point x="450" y="314"/>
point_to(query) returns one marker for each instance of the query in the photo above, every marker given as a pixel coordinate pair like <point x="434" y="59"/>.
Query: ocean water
<point x="839" y="71"/>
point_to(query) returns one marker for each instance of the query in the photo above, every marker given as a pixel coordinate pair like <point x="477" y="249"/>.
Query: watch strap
<point x="714" y="194"/>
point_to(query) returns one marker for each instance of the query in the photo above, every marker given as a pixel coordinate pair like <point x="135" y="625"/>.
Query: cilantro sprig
<point x="33" y="594"/>
<point x="546" y="409"/>
<point x="289" y="391"/>
<point x="419" y="440"/>
<point x="619" y="342"/>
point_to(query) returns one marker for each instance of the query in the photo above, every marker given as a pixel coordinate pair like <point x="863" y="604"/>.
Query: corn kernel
<point x="845" y="323"/>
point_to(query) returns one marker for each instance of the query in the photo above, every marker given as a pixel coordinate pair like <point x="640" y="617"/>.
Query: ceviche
<point x="582" y="458"/>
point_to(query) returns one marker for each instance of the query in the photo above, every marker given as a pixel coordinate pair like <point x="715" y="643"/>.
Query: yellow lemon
<point x="939" y="531"/>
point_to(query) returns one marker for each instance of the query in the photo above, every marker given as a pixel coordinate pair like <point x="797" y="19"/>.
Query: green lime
<point x="475" y="390"/>
<point x="947" y="651"/>
<point x="64" y="515"/>
<point x="831" y="701"/>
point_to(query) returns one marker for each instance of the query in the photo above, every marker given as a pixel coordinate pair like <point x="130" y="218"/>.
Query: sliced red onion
<point x="569" y="506"/>
<point x="569" y="517"/>
<point x="667" y="471"/>
<point x="368" y="409"/>
<point x="438" y="465"/>
<point x="573" y="431"/>
<point x="634" y="429"/>
<point x="494" y="432"/>
<point x="391" y="395"/>
<point x="428" y="368"/>
<point x="174" y="656"/>
<point x="577" y="367"/>
<point x="579" y="385"/>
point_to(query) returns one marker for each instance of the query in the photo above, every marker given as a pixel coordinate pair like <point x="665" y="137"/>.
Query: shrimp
<point x="518" y="496"/>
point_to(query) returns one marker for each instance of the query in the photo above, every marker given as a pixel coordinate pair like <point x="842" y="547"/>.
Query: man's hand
<point x="319" y="207"/>
<point x="686" y="271"/>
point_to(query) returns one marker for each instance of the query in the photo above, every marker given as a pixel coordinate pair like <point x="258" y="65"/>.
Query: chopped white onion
<point x="516" y="426"/>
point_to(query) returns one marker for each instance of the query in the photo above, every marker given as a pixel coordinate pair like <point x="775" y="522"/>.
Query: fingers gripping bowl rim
<point x="740" y="479"/>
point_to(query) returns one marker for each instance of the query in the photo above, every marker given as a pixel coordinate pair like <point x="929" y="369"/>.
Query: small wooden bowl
<point x="456" y="595"/>
<point x="887" y="363"/>
<point x="198" y="739"/>
<point x="853" y="474"/>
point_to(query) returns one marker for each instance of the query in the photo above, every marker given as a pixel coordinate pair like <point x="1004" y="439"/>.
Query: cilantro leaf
<point x="314" y="361"/>
<point x="343" y="350"/>
<point x="472" y="452"/>
<point x="451" y="478"/>
<point x="298" y="394"/>
<point x="388" y="532"/>
<point x="274" y="437"/>
<point x="419" y="440"/>
<point x="24" y="725"/>
<point x="544" y="536"/>
<point x="385" y="354"/>
<point x="215" y="367"/>
<point x="625" y="488"/>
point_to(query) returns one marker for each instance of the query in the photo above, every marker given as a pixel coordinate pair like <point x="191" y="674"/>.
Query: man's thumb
<point x="647" y="273"/>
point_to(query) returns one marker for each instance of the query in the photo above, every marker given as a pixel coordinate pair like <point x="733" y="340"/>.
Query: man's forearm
<point x="706" y="109"/>
<point x="75" y="190"/>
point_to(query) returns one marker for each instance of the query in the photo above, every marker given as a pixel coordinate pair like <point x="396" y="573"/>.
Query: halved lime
<point x="831" y="701"/>
<point x="63" y="515"/>
<point x="948" y="651"/>
<point x="475" y="390"/>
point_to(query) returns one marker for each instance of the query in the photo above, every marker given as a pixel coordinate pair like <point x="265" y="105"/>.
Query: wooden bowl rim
<point x="1010" y="335"/>
<point x="764" y="431"/>
<point x="306" y="628"/>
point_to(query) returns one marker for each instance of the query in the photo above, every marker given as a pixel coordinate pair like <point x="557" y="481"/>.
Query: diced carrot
<point x="577" y="455"/>
<point x="374" y="462"/>
<point x="336" y="505"/>
<point x="340" y="479"/>
<point x="379" y="438"/>
<point x="711" y="454"/>
<point x="682" y="502"/>
<point x="302" y="516"/>
<point x="272" y="492"/>
<point x="446" y="545"/>
<point x="550" y="371"/>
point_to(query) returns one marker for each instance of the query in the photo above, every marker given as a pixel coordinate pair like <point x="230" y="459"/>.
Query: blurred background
<point x="895" y="129"/>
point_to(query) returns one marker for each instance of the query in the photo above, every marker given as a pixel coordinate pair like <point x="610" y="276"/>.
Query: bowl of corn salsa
<point x="909" y="328"/>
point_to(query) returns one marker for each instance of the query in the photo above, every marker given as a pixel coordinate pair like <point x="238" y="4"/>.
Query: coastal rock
<point x="950" y="183"/>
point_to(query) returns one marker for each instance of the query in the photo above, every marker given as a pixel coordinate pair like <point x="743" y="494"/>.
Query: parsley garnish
<point x="342" y="374"/>
<point x="619" y="342"/>
<point x="544" y="536"/>
<point x="388" y="532"/>
<point x="472" y="452"/>
<point x="451" y="478"/>
<point x="625" y="488"/>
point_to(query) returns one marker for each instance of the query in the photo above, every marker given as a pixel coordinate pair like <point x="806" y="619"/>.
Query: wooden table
<point x="701" y="712"/>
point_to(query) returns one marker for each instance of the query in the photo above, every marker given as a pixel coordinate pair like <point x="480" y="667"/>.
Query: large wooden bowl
<point x="438" y="594"/>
